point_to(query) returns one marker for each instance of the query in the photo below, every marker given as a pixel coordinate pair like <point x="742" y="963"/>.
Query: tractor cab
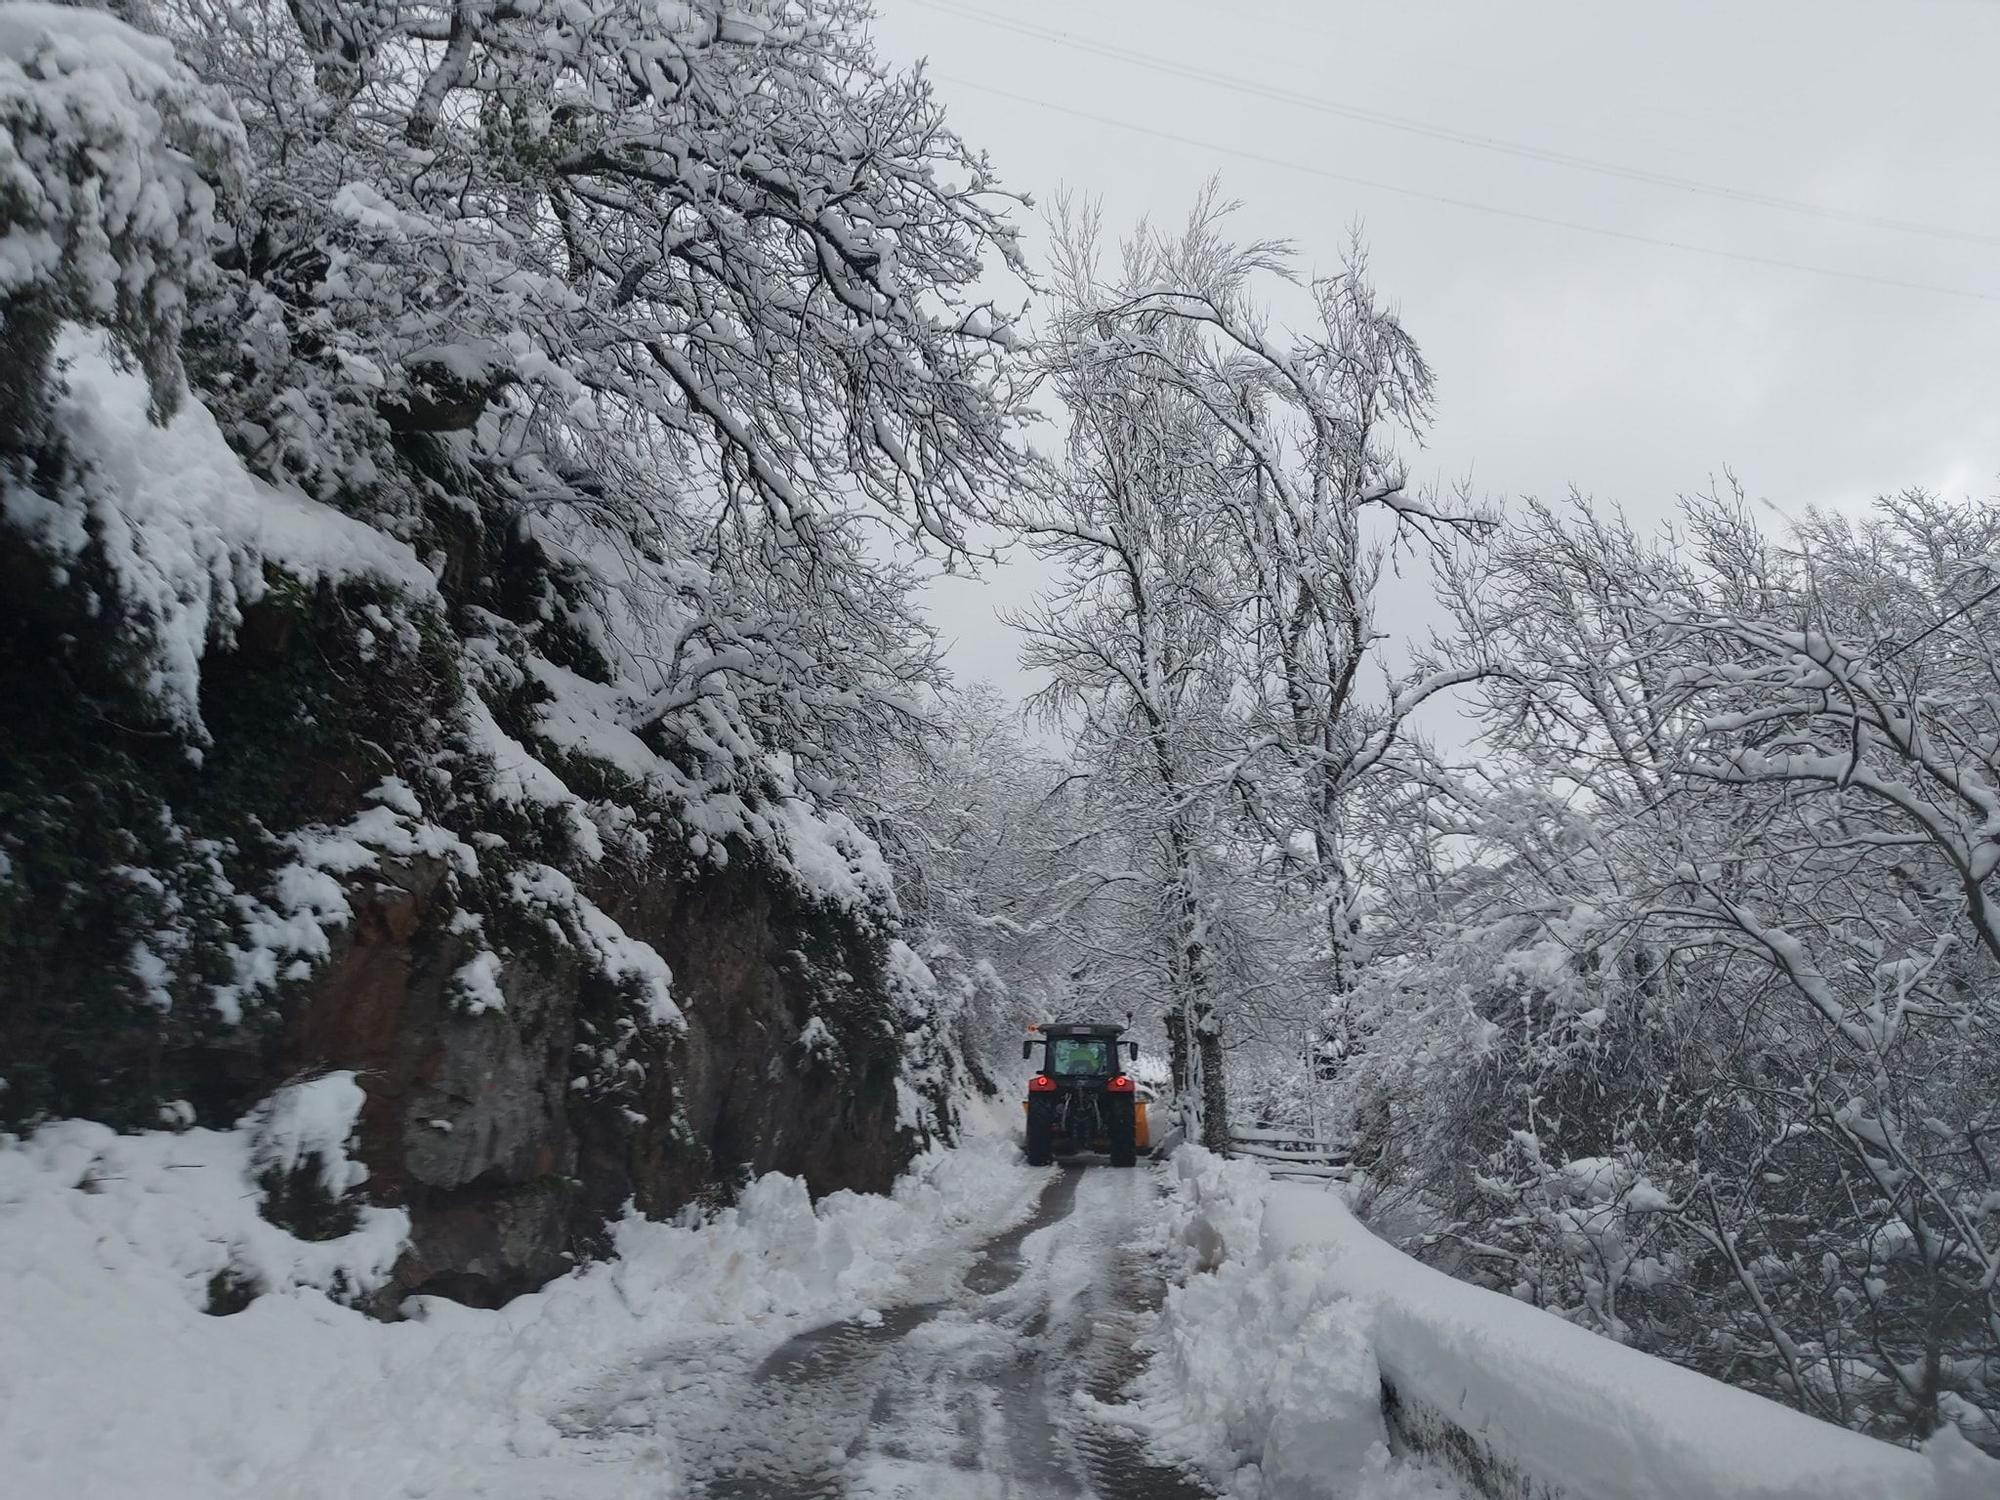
<point x="1082" y="1099"/>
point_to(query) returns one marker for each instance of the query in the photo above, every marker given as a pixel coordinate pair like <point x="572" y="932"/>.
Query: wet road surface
<point x="983" y="1394"/>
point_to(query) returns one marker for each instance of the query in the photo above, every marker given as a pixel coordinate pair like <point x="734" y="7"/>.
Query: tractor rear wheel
<point x="1041" y="1132"/>
<point x="1123" y="1130"/>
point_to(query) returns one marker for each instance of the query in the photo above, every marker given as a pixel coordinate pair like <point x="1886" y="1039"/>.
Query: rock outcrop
<point x="377" y="840"/>
<point x="508" y="1170"/>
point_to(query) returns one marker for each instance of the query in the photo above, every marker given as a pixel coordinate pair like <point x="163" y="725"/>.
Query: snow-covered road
<point x="988" y="1330"/>
<point x="990" y="1388"/>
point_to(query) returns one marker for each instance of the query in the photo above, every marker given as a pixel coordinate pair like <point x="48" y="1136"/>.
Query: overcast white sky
<point x="1632" y="370"/>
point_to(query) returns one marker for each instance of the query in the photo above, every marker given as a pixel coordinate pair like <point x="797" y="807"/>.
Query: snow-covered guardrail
<point x="1523" y="1405"/>
<point x="1287" y="1153"/>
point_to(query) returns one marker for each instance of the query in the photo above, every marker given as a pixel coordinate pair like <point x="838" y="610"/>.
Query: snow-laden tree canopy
<point x="721" y="229"/>
<point x="110" y="156"/>
<point x="584" y="379"/>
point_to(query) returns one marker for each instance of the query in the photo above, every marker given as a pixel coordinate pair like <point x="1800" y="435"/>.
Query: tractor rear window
<point x="1072" y="1054"/>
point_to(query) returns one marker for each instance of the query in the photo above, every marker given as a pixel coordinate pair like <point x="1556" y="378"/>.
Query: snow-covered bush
<point x="110" y="156"/>
<point x="1698" y="1047"/>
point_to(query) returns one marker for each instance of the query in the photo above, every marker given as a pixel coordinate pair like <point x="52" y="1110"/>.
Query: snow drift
<point x="1310" y="1329"/>
<point x="124" y="1375"/>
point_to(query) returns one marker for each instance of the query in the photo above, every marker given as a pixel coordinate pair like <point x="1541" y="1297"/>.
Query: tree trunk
<point x="1214" y="1086"/>
<point x="1177" y="1052"/>
<point x="1207" y="1105"/>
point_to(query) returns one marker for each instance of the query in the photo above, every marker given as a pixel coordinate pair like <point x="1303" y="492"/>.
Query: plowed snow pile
<point x="117" y="1382"/>
<point x="1278" y="1351"/>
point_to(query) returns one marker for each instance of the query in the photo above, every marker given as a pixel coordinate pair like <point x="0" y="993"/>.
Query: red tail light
<point x="1120" y="1085"/>
<point x="1041" y="1083"/>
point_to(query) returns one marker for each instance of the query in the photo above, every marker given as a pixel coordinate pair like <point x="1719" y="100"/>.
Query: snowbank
<point x="116" y="1382"/>
<point x="1534" y="1404"/>
<point x="1263" y="1371"/>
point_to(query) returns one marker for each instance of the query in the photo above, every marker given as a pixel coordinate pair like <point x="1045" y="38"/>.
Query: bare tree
<point x="1704" y="1048"/>
<point x="1132" y="640"/>
<point x="1213" y="519"/>
<point x="1311" y="423"/>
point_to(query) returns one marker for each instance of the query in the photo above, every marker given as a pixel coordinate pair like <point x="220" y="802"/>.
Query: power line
<point x="1484" y="208"/>
<point x="1448" y="134"/>
<point x="1956" y="614"/>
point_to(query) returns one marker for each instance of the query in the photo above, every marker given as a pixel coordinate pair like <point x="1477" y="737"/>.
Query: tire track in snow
<point x="976" y="1398"/>
<point x="1115" y="1458"/>
<point x="1000" y="1264"/>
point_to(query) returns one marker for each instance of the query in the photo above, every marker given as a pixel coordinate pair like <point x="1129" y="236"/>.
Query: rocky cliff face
<point x="437" y="642"/>
<point x="475" y="1123"/>
<point x="495" y="1127"/>
<point x="400" y="828"/>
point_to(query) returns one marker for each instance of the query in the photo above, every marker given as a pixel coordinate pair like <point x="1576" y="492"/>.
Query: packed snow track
<point x="995" y="1389"/>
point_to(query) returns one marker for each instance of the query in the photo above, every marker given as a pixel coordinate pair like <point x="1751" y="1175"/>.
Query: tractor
<point x="1081" y="1100"/>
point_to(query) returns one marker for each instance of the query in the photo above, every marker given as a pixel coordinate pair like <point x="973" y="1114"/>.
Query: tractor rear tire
<point x="1040" y="1133"/>
<point x="1123" y="1131"/>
